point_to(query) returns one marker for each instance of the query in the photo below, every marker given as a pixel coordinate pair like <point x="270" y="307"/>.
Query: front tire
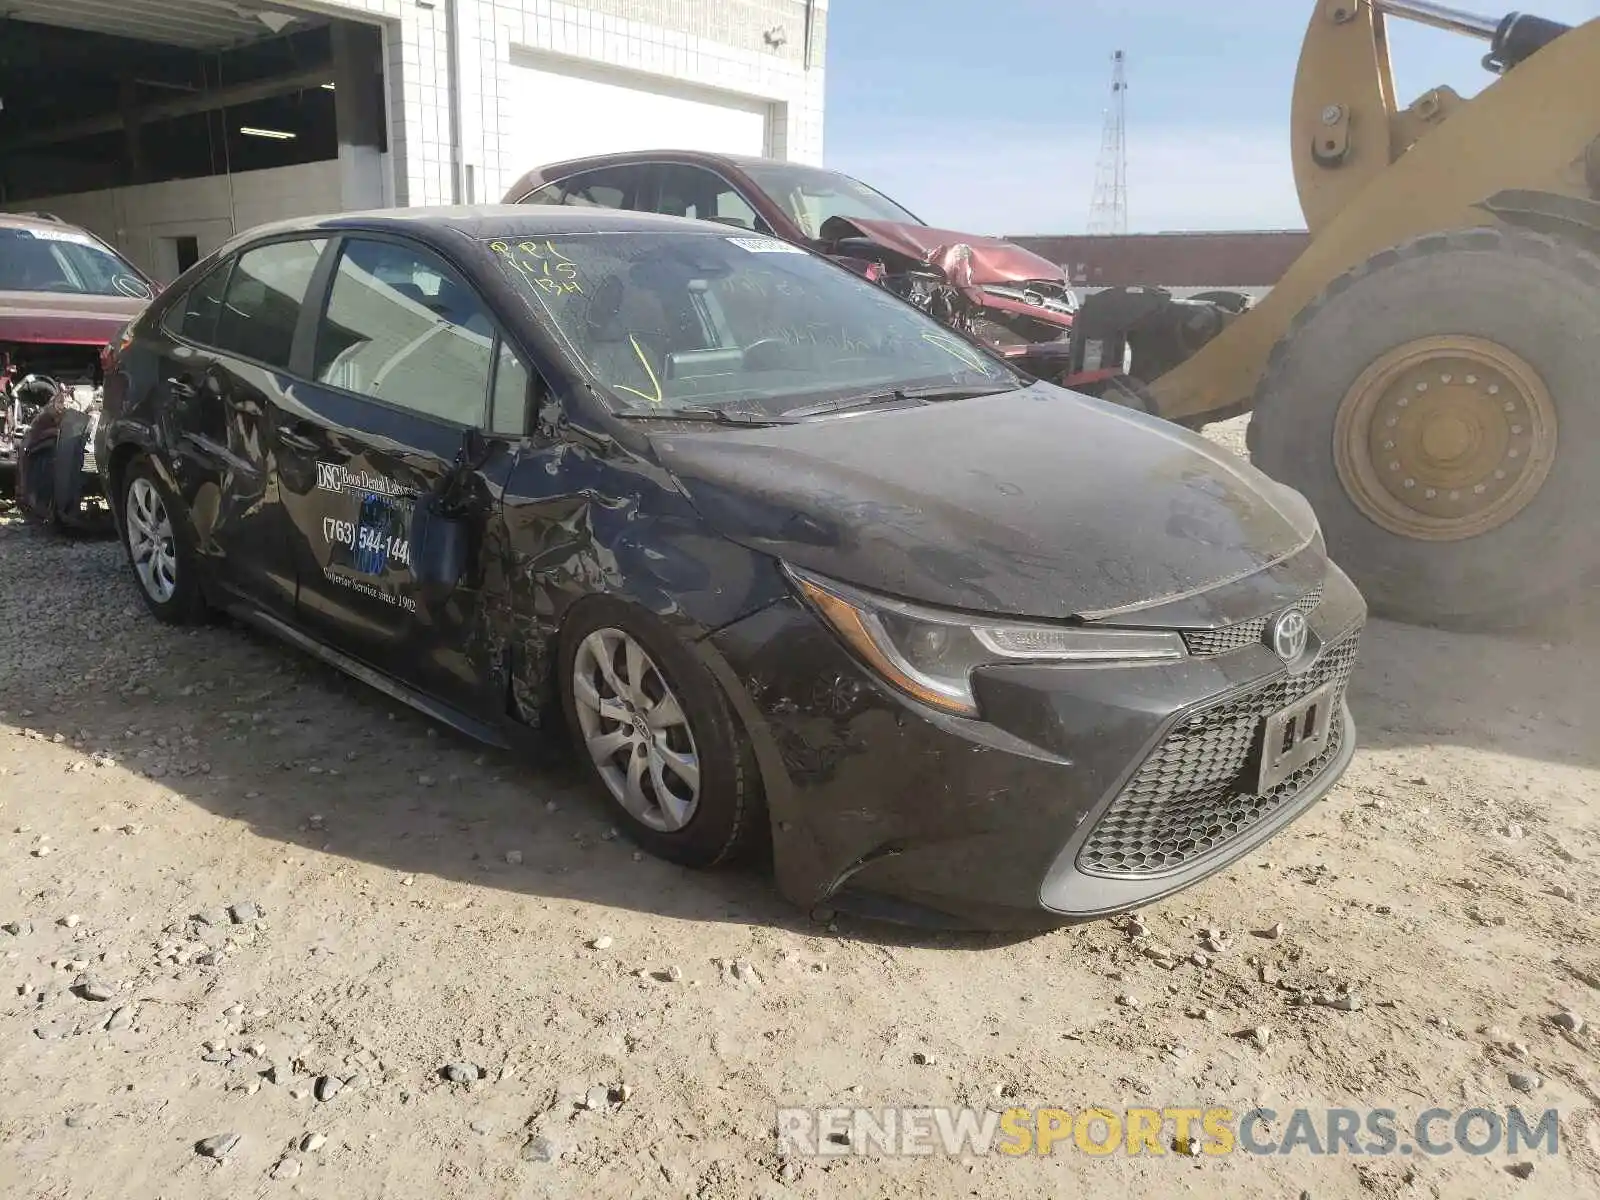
<point x="160" y="546"/>
<point x="36" y="486"/>
<point x="659" y="737"/>
<point x="1419" y="403"/>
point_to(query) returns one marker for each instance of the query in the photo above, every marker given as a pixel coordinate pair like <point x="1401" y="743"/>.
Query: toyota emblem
<point x="1287" y="634"/>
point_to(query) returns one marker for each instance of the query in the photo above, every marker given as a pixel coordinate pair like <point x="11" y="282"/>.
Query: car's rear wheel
<point x="160" y="546"/>
<point x="659" y="736"/>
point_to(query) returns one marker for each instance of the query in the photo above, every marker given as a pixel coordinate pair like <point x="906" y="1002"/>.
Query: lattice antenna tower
<point x="1109" y="211"/>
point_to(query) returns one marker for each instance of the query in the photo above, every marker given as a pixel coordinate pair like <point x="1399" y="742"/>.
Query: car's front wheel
<point x="160" y="546"/>
<point x="658" y="734"/>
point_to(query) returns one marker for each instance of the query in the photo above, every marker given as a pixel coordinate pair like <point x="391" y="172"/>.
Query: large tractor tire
<point x="1438" y="407"/>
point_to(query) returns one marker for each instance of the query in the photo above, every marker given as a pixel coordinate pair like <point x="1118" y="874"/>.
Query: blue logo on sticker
<point x="372" y="534"/>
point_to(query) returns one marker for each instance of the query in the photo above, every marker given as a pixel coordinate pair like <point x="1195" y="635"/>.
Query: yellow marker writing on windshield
<point x="955" y="349"/>
<point x="648" y="370"/>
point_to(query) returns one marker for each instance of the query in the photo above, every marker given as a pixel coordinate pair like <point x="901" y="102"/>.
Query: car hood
<point x="60" y="317"/>
<point x="966" y="259"/>
<point x="1034" y="503"/>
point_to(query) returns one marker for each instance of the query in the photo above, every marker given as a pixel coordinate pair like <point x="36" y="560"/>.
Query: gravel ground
<point x="265" y="934"/>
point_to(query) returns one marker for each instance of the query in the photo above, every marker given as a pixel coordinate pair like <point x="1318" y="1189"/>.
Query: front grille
<point x="1192" y="794"/>
<point x="1207" y="643"/>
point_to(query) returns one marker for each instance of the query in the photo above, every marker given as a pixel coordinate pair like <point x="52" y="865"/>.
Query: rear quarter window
<point x="194" y="315"/>
<point x="261" y="306"/>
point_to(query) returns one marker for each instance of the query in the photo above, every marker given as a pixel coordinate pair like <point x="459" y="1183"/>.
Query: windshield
<point x="811" y="196"/>
<point x="65" y="260"/>
<point x="691" y="320"/>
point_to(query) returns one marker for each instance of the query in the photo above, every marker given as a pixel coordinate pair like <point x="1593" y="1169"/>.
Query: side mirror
<point x="439" y="548"/>
<point x="441" y="527"/>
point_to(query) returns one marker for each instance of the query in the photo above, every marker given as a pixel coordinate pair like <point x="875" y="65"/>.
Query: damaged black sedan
<point x="789" y="561"/>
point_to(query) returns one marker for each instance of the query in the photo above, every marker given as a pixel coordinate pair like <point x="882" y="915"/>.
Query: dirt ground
<point x="403" y="900"/>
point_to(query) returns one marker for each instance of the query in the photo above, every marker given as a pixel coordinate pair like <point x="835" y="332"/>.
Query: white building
<point x="168" y="125"/>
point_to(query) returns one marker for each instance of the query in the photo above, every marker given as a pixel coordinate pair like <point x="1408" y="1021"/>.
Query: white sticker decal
<point x="336" y="477"/>
<point x="62" y="235"/>
<point x="763" y="245"/>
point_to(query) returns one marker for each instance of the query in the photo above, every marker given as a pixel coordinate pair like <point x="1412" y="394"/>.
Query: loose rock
<point x="312" y="1142"/>
<point x="600" y="943"/>
<point x="461" y="1072"/>
<point x="1524" y="1081"/>
<point x="217" y="1146"/>
<point x="328" y="1086"/>
<point x="539" y="1148"/>
<point x="1568" y="1020"/>
<point x="1522" y="1170"/>
<point x="287" y="1168"/>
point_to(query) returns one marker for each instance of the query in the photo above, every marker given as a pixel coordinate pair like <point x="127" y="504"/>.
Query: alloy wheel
<point x="636" y="730"/>
<point x="150" y="541"/>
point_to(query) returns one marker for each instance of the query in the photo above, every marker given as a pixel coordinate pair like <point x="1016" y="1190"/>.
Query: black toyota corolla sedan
<point x="791" y="563"/>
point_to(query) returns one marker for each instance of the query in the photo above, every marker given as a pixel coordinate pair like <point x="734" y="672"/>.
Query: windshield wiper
<point x="717" y="416"/>
<point x="853" y="403"/>
<point x="923" y="395"/>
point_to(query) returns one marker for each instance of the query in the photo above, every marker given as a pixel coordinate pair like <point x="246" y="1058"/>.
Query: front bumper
<point x="1084" y="791"/>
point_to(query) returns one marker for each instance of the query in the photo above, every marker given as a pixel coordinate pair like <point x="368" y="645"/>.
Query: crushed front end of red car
<point x="986" y="288"/>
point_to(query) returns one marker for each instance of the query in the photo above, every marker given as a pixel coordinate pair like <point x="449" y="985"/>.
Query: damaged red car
<point x="984" y="287"/>
<point x="64" y="295"/>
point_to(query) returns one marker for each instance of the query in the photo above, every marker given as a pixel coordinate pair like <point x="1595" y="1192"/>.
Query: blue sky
<point x="986" y="115"/>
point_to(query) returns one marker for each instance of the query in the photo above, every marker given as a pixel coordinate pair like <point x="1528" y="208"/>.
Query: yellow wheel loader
<point x="1427" y="373"/>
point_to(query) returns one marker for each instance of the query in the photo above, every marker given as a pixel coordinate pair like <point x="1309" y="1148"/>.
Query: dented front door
<point x="351" y="474"/>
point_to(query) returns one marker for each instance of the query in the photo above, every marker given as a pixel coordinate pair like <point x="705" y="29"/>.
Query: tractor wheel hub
<point x="1445" y="438"/>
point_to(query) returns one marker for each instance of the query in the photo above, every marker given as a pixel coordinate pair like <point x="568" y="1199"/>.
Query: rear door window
<point x="608" y="187"/>
<point x="685" y="191"/>
<point x="263" y="300"/>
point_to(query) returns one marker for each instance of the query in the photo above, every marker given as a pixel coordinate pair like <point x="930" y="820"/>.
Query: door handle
<point x="182" y="389"/>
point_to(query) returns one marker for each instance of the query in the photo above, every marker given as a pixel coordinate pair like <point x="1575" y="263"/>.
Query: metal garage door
<point x="563" y="111"/>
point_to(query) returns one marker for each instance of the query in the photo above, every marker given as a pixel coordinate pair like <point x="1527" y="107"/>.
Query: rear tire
<point x="617" y="666"/>
<point x="1451" y="506"/>
<point x="159" y="543"/>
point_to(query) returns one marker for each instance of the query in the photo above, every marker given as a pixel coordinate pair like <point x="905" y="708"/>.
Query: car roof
<point x="36" y="220"/>
<point x="546" y="172"/>
<point x="485" y="221"/>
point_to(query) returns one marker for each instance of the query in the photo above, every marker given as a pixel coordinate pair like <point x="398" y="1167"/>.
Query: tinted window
<point x="67" y="260"/>
<point x="705" y="195"/>
<point x="509" y="411"/>
<point x="195" y="316"/>
<point x="263" y="301"/>
<point x="550" y="193"/>
<point x="609" y="187"/>
<point x="400" y="327"/>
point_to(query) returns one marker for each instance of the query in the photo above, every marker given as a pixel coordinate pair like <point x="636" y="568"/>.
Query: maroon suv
<point x="64" y="294"/>
<point x="988" y="288"/>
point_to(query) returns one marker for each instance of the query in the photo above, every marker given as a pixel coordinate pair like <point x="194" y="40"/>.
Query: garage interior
<point x="168" y="125"/>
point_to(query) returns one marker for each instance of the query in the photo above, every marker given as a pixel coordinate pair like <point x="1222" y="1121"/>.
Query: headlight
<point x="930" y="655"/>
